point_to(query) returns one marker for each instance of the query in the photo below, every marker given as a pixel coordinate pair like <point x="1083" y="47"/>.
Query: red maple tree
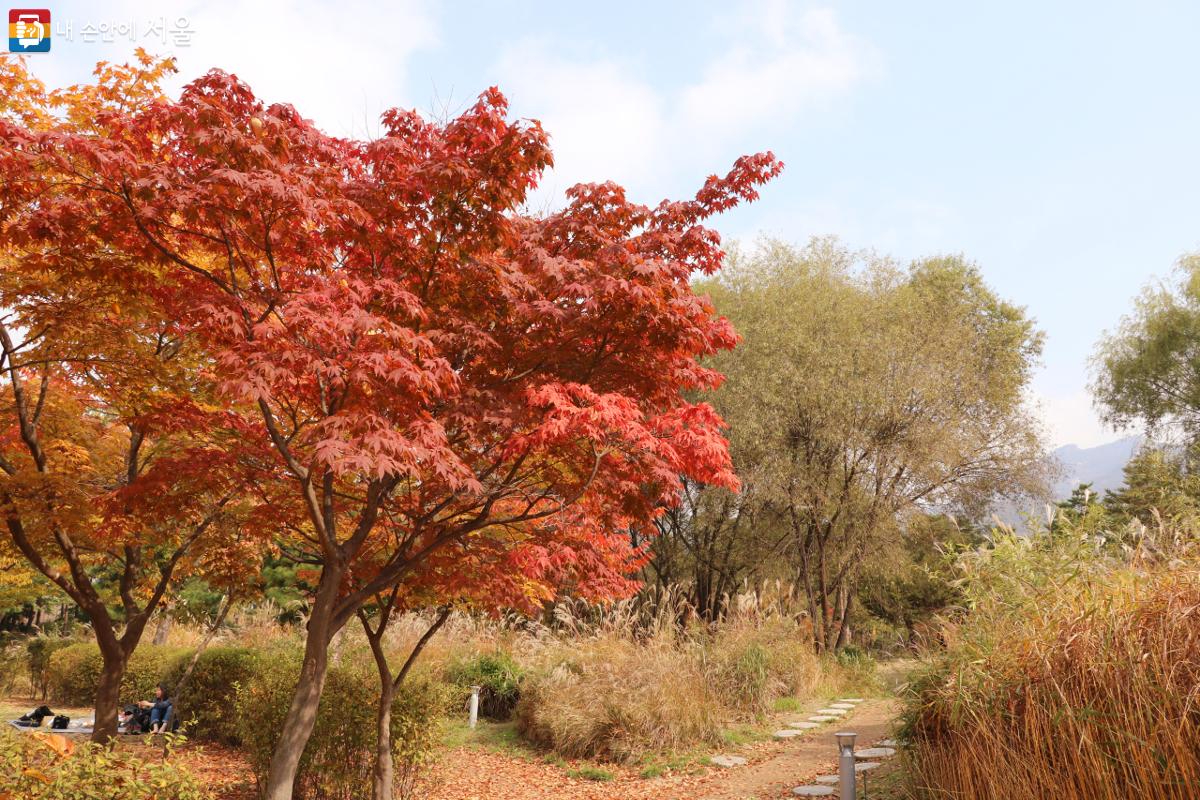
<point x="427" y="376"/>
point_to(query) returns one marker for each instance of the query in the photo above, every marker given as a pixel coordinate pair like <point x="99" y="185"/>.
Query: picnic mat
<point x="85" y="728"/>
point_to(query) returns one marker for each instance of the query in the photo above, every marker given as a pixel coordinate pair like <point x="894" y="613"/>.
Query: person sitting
<point x="160" y="709"/>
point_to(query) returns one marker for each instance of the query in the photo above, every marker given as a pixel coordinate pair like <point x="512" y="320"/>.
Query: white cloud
<point x="609" y="122"/>
<point x="604" y="122"/>
<point x="795" y="62"/>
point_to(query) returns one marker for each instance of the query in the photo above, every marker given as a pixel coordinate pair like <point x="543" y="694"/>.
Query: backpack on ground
<point x="60" y="722"/>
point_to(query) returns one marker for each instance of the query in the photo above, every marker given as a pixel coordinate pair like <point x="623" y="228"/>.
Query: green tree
<point x="1146" y="371"/>
<point x="861" y="392"/>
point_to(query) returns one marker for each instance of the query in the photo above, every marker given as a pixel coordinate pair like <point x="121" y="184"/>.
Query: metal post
<point x="846" y="764"/>
<point x="475" y="707"/>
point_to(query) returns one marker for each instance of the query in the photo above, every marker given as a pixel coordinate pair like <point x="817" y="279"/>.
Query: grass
<point x="1081" y="689"/>
<point x="743" y="734"/>
<point x="888" y="782"/>
<point x="631" y="687"/>
<point x="686" y="763"/>
<point x="591" y="773"/>
<point x="786" y="704"/>
<point x="496" y="737"/>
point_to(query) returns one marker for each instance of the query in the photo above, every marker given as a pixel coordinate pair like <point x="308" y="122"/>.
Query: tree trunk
<point x="177" y="689"/>
<point x="302" y="713"/>
<point x="843" y="637"/>
<point x="383" y="777"/>
<point x="108" y="692"/>
<point x="164" y="627"/>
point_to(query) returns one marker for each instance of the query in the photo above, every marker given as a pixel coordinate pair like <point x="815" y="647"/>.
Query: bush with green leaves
<point x="74" y="672"/>
<point x="36" y="766"/>
<point x="207" y="705"/>
<point x="39" y="651"/>
<point x="340" y="755"/>
<point x="498" y="676"/>
<point x="13" y="658"/>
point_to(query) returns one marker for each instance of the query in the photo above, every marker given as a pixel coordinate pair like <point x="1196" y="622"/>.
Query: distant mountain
<point x="1100" y="466"/>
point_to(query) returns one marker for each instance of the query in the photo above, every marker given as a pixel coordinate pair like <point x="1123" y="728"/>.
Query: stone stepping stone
<point x="727" y="761"/>
<point x="804" y="726"/>
<point x="812" y="791"/>
<point x="833" y="712"/>
<point x="850" y="700"/>
<point x="843" y="706"/>
<point x="828" y="780"/>
<point x="787" y="734"/>
<point x="822" y="718"/>
<point x="888" y="743"/>
<point x="863" y="766"/>
<point x="874" y="752"/>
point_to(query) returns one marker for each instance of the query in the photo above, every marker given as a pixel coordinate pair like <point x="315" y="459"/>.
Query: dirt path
<point x="772" y="770"/>
<point x="802" y="758"/>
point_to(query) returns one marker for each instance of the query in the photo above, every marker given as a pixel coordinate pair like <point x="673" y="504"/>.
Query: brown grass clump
<point x="1093" y="694"/>
<point x="625" y="685"/>
<point x="613" y="697"/>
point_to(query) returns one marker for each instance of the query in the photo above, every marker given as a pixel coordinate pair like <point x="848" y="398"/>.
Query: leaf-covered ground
<point x="493" y="763"/>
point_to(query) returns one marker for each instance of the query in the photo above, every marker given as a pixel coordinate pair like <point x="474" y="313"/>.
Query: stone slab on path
<point x="888" y="743"/>
<point x="822" y="718"/>
<point x="727" y="761"/>
<point x="804" y="726"/>
<point x="850" y="700"/>
<point x="788" y="733"/>
<point x="874" y="752"/>
<point x="832" y="712"/>
<point x="812" y="791"/>
<point x="863" y="766"/>
<point x="843" y="706"/>
<point x="829" y="780"/>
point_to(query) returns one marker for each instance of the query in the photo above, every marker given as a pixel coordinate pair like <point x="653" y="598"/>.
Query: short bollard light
<point x="846" y="764"/>
<point x="474" y="707"/>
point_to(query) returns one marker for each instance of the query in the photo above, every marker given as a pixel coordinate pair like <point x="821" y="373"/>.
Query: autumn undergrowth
<point x="1075" y="675"/>
<point x="623" y="687"/>
<point x="643" y="683"/>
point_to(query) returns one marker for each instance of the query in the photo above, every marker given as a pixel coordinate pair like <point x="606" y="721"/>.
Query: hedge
<point x="74" y="673"/>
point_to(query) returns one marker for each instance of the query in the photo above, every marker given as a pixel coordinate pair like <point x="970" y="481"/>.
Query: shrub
<point x="616" y="698"/>
<point x="39" y="650"/>
<point x="208" y="704"/>
<point x="621" y="694"/>
<point x="50" y="767"/>
<point x="13" y="661"/>
<point x="338" y="760"/>
<point x="497" y="675"/>
<point x="74" y="672"/>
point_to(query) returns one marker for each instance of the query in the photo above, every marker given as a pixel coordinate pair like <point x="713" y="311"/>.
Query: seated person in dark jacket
<point x="160" y="708"/>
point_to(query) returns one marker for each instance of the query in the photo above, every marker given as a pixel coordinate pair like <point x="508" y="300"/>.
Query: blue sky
<point x="1052" y="143"/>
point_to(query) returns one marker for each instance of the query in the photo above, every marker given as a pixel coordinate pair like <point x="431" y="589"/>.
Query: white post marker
<point x="846" y="764"/>
<point x="474" y="706"/>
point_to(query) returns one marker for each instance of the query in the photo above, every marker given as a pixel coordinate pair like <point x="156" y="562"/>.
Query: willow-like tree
<point x="862" y="391"/>
<point x="402" y="342"/>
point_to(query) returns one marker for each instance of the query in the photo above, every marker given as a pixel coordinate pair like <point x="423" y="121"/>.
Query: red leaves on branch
<point x="433" y="386"/>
